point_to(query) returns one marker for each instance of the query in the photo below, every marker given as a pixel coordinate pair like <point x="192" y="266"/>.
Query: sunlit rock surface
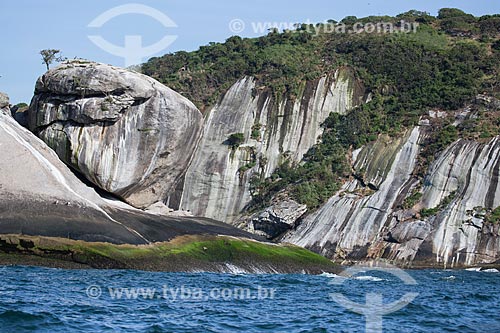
<point x="125" y="132"/>
<point x="41" y="196"/>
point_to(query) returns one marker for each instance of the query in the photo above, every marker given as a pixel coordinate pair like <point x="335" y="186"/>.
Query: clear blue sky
<point x="29" y="26"/>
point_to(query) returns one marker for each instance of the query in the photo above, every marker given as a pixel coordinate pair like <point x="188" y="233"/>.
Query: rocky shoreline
<point x="202" y="253"/>
<point x="96" y="132"/>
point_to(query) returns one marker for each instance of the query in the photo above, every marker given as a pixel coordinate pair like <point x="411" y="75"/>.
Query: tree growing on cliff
<point x="49" y="56"/>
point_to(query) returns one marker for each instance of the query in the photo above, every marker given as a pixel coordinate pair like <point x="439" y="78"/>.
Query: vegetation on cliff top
<point x="443" y="65"/>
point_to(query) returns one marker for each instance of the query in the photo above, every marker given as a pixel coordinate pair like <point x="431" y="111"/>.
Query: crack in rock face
<point x="123" y="131"/>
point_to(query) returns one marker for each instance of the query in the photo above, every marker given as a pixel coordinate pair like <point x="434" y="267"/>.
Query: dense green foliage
<point x="493" y="216"/>
<point x="281" y="60"/>
<point x="443" y="66"/>
<point x="313" y="181"/>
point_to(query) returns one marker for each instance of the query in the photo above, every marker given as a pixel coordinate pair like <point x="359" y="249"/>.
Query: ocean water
<point x="55" y="300"/>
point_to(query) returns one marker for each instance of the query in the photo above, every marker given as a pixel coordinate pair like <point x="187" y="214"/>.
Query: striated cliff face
<point x="467" y="172"/>
<point x="353" y="218"/>
<point x="217" y="182"/>
<point x="132" y="136"/>
<point x="125" y="132"/>
<point x="366" y="220"/>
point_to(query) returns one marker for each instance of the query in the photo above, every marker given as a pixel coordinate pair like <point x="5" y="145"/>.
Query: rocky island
<point x="356" y="148"/>
<point x="50" y="216"/>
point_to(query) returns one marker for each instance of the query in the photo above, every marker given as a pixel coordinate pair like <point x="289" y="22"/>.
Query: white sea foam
<point x="473" y="269"/>
<point x="480" y="269"/>
<point x="368" y="278"/>
<point x="359" y="278"/>
<point x="232" y="269"/>
<point x="451" y="277"/>
<point x="331" y="275"/>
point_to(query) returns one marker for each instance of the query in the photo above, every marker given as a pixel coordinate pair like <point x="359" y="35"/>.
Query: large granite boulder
<point x="125" y="132"/>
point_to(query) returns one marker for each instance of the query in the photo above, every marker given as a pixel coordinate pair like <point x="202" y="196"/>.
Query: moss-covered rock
<point x="182" y="254"/>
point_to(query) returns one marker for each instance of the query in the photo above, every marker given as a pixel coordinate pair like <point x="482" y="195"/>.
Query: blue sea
<point x="54" y="300"/>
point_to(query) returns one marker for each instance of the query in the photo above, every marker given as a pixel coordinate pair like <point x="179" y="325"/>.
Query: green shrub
<point x="256" y="131"/>
<point x="493" y="216"/>
<point x="21" y="105"/>
<point x="446" y="13"/>
<point x="412" y="200"/>
<point x="246" y="167"/>
<point x="446" y="136"/>
<point x="235" y="140"/>
<point x="489" y="25"/>
<point x="427" y="212"/>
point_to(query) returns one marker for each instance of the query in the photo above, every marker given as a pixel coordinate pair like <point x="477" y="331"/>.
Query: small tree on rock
<point x="49" y="56"/>
<point x="235" y="140"/>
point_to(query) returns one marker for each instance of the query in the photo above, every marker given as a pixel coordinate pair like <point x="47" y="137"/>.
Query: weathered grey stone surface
<point x="4" y="100"/>
<point x="125" y="132"/>
<point x="351" y="219"/>
<point x="277" y="219"/>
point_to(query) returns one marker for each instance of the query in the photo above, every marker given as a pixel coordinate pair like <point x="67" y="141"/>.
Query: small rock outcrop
<point x="4" y="101"/>
<point x="277" y="219"/>
<point x="125" y="132"/>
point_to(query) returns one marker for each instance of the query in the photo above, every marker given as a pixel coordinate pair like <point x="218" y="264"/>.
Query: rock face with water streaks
<point x="38" y="191"/>
<point x="366" y="219"/>
<point x="132" y="136"/>
<point x="125" y="132"/>
<point x="467" y="174"/>
<point x="217" y="184"/>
